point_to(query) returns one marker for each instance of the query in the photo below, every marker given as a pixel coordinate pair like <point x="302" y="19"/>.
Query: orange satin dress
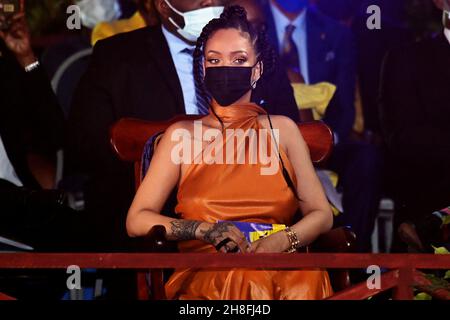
<point x="239" y="192"/>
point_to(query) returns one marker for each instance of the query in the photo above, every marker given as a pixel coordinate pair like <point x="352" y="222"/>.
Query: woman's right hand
<point x="225" y="236"/>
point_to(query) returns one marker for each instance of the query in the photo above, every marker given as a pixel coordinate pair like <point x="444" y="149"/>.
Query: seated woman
<point x="211" y="194"/>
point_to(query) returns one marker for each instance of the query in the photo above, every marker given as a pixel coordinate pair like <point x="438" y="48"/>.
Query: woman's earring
<point x="254" y="85"/>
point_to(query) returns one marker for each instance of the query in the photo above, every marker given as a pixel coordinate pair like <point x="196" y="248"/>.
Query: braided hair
<point x="233" y="17"/>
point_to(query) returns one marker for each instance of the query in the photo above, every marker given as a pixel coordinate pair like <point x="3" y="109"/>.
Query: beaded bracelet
<point x="293" y="240"/>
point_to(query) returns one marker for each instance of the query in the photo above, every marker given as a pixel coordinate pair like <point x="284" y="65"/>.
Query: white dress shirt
<point x="7" y="171"/>
<point x="299" y="36"/>
<point x="447" y="34"/>
<point x="184" y="64"/>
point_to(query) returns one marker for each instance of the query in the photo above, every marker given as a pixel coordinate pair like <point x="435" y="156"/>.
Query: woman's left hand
<point x="275" y="243"/>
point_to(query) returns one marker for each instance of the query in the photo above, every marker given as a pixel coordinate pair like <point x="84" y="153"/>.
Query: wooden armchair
<point x="128" y="138"/>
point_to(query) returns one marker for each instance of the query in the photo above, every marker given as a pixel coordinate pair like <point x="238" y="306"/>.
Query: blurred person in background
<point x="415" y="114"/>
<point x="372" y="47"/>
<point x="66" y="61"/>
<point x="31" y="132"/>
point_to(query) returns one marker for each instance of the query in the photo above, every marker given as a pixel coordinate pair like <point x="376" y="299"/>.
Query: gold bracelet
<point x="293" y="240"/>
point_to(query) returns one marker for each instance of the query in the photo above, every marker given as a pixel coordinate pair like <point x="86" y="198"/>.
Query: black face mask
<point x="227" y="84"/>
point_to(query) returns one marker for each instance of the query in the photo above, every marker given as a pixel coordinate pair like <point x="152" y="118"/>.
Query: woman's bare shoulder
<point x="282" y="123"/>
<point x="289" y="134"/>
<point x="173" y="133"/>
<point x="184" y="124"/>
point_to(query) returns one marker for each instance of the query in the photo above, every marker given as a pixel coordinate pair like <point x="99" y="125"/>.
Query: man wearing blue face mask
<point x="145" y="74"/>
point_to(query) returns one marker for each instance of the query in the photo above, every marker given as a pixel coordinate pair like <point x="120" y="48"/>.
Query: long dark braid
<point x="233" y="17"/>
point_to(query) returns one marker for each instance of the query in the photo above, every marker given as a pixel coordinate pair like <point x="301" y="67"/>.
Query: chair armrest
<point x="340" y="240"/>
<point x="151" y="284"/>
<point x="155" y="241"/>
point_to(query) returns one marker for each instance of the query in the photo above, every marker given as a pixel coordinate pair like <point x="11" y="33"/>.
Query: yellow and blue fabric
<point x="317" y="97"/>
<point x="108" y="29"/>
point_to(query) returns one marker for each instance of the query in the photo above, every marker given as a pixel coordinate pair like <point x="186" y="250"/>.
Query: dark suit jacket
<point x="372" y="48"/>
<point x="415" y="99"/>
<point x="30" y="118"/>
<point x="415" y="115"/>
<point x="132" y="75"/>
<point x="332" y="58"/>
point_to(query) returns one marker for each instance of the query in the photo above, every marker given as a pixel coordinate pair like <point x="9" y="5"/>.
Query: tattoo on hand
<point x="184" y="229"/>
<point x="216" y="233"/>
